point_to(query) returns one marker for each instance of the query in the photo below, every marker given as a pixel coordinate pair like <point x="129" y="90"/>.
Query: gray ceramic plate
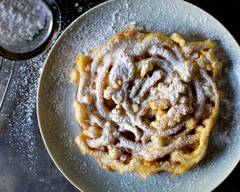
<point x="56" y="117"/>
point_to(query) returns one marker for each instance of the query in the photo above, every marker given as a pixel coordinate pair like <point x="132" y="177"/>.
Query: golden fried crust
<point x="162" y="124"/>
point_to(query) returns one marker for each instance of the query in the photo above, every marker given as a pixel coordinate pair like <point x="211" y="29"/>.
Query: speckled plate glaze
<point x="56" y="116"/>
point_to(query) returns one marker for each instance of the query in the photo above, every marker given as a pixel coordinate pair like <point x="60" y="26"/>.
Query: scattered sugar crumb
<point x="76" y="4"/>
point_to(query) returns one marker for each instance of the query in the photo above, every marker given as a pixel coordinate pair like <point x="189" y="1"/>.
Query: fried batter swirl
<point x="147" y="102"/>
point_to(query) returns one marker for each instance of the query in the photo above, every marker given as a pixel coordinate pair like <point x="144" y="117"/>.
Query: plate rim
<point x="60" y="38"/>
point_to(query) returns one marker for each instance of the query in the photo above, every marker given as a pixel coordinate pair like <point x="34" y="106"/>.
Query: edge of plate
<point x="40" y="83"/>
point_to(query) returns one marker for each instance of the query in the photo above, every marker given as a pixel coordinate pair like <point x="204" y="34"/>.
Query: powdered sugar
<point x="78" y="7"/>
<point x="20" y="119"/>
<point x="21" y="20"/>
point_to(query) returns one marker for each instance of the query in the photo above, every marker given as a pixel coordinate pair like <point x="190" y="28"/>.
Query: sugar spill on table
<point x="21" y="136"/>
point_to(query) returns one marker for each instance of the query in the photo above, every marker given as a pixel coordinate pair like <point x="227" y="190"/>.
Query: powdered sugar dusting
<point x="21" y="136"/>
<point x="166" y="16"/>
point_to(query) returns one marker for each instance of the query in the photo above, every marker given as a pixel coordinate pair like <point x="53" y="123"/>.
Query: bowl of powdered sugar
<point x="25" y="25"/>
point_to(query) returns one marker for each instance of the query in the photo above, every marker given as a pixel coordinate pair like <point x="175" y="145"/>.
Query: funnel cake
<point x="147" y="102"/>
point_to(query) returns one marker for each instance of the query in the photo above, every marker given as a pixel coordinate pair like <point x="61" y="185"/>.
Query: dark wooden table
<point x="24" y="163"/>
